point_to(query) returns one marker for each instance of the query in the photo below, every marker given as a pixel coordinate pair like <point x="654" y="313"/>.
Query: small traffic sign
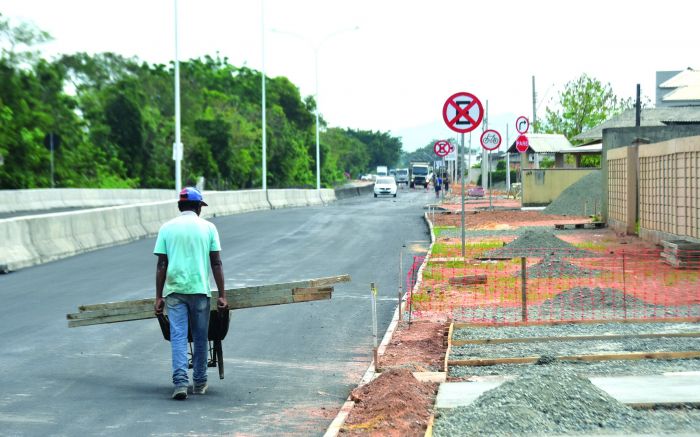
<point x="490" y="139"/>
<point x="463" y="112"/>
<point x="522" y="124"/>
<point x="522" y="144"/>
<point x="442" y="148"/>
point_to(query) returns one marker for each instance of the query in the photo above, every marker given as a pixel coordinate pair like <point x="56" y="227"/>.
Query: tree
<point x="583" y="104"/>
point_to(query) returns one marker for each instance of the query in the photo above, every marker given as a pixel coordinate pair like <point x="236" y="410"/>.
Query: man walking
<point x="187" y="247"/>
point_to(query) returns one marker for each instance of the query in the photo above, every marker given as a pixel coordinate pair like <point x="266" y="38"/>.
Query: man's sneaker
<point x="200" y="389"/>
<point x="180" y="393"/>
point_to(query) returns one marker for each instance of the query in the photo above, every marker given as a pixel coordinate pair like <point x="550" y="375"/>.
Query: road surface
<point x="288" y="368"/>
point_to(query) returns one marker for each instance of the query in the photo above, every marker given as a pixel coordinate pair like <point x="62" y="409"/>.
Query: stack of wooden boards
<point x="247" y="297"/>
<point x="681" y="254"/>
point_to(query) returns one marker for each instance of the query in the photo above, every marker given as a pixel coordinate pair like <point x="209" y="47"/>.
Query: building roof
<point x="685" y="78"/>
<point x="596" y="147"/>
<point x="649" y="117"/>
<point x="690" y="92"/>
<point x="544" y="143"/>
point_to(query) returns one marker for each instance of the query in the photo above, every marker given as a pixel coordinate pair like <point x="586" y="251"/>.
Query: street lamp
<point x="177" y="145"/>
<point x="316" y="48"/>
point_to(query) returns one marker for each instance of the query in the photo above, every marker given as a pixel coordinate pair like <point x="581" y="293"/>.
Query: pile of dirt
<point x="558" y="403"/>
<point x="419" y="347"/>
<point x="394" y="404"/>
<point x="582" y="198"/>
<point x="539" y="244"/>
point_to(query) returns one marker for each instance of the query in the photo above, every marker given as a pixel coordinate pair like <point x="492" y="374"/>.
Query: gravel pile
<point x="578" y="303"/>
<point x="555" y="403"/>
<point x="580" y="198"/>
<point x="539" y="244"/>
<point x="550" y="267"/>
<point x="456" y="233"/>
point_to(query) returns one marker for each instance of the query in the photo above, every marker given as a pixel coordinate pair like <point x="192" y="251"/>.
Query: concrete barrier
<point x="48" y="198"/>
<point x="36" y="239"/>
<point x="353" y="190"/>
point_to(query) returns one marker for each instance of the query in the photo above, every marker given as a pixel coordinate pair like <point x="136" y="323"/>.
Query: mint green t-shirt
<point x="187" y="241"/>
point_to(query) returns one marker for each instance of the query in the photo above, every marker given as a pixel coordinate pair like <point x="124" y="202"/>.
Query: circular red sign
<point x="462" y="112"/>
<point x="490" y="139"/>
<point x="522" y="124"/>
<point x="442" y="148"/>
<point x="522" y="144"/>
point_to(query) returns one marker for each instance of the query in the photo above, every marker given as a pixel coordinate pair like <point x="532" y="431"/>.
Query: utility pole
<point x="534" y="107"/>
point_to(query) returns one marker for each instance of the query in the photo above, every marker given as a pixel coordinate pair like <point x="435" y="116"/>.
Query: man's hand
<point x="222" y="304"/>
<point x="159" y="305"/>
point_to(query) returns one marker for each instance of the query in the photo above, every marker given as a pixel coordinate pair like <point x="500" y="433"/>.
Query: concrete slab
<point x="651" y="390"/>
<point x="460" y="394"/>
<point x="636" y="391"/>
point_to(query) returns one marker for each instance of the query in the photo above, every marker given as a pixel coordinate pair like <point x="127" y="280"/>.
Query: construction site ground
<point x="557" y="393"/>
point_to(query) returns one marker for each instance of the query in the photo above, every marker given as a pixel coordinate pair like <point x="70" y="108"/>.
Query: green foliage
<point x="117" y="128"/>
<point x="583" y="104"/>
<point x="499" y="176"/>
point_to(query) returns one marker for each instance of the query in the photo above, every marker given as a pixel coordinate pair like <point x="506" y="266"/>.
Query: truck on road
<point x="418" y="174"/>
<point x="382" y="170"/>
<point x="402" y="176"/>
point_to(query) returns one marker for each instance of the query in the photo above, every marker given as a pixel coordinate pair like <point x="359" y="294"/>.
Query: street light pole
<point x="264" y="122"/>
<point x="318" y="134"/>
<point x="177" y="146"/>
<point x="316" y="49"/>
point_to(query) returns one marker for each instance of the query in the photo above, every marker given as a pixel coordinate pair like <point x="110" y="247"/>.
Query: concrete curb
<point x="334" y="428"/>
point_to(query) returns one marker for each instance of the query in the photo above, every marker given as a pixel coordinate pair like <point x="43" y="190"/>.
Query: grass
<point x="439" y="229"/>
<point x="471" y="249"/>
<point x="591" y="245"/>
<point x="674" y="278"/>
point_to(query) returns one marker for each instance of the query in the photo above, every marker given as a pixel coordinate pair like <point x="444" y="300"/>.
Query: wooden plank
<point x="493" y="361"/>
<point x="579" y="358"/>
<point x="468" y="280"/>
<point x="83" y="315"/>
<point x="633" y="356"/>
<point x="449" y="347"/>
<point x="572" y="338"/>
<point x="112" y="319"/>
<point x="582" y="322"/>
<point x="115" y="305"/>
<point x="238" y="298"/>
<point x="311" y="283"/>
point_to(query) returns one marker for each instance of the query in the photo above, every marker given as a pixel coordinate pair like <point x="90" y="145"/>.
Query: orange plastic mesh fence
<point x="558" y="285"/>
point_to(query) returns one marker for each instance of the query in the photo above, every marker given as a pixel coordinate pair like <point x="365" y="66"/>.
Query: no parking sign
<point x="463" y="112"/>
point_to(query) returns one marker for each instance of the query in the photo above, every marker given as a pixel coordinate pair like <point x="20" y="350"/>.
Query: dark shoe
<point x="200" y="389"/>
<point x="180" y="393"/>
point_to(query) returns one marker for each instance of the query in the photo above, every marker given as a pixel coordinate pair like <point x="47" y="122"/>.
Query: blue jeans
<point x="183" y="310"/>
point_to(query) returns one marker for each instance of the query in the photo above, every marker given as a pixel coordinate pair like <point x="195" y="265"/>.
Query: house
<point x="677" y="88"/>
<point x="541" y="145"/>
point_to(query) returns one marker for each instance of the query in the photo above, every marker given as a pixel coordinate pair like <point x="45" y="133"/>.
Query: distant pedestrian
<point x="187" y="247"/>
<point x="438" y="186"/>
<point x="446" y="183"/>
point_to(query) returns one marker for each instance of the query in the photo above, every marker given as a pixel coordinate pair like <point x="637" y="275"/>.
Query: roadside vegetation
<point x="114" y="122"/>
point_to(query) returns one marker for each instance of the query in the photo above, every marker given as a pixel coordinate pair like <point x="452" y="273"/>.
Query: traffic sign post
<point x="522" y="144"/>
<point x="442" y="148"/>
<point x="490" y="139"/>
<point x="463" y="112"/>
<point x="522" y="124"/>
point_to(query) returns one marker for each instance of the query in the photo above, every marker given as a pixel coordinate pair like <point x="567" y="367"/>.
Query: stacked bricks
<point x="681" y="254"/>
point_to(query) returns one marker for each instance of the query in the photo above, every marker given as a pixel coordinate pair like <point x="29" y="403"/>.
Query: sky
<point x="390" y="65"/>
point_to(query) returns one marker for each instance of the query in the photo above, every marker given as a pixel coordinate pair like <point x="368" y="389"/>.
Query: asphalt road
<point x="288" y="368"/>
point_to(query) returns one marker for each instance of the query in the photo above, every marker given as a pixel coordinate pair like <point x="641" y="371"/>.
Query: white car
<point x="385" y="185"/>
